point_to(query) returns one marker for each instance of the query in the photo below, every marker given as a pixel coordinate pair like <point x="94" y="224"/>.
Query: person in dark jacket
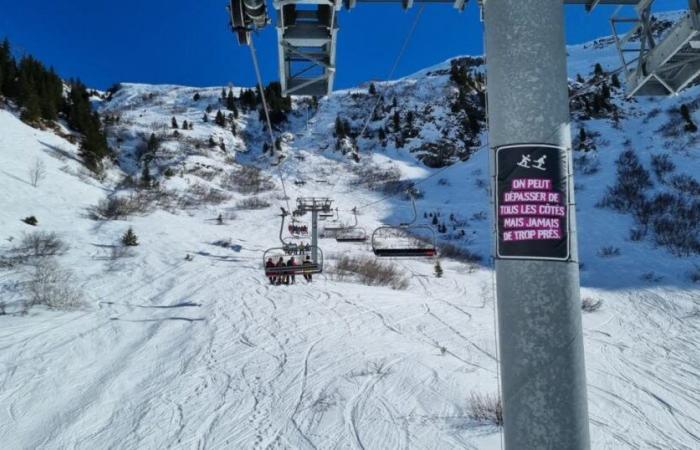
<point x="281" y="277"/>
<point x="291" y="276"/>
<point x="270" y="275"/>
<point x="307" y="268"/>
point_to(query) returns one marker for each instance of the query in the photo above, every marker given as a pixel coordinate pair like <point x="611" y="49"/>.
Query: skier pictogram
<point x="525" y="162"/>
<point x="539" y="164"/>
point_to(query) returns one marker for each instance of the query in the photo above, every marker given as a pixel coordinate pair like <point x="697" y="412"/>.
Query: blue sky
<point x="188" y="42"/>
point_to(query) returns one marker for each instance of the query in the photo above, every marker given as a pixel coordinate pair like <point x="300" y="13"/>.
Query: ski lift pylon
<point x="407" y="240"/>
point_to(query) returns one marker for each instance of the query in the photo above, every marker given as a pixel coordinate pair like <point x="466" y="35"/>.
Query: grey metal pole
<point x="539" y="315"/>
<point x="314" y="235"/>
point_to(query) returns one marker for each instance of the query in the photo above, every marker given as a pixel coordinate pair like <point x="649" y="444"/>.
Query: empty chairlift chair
<point x="353" y="233"/>
<point x="407" y="240"/>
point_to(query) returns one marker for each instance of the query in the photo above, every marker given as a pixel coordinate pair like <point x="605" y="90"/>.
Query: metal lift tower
<point x="541" y="341"/>
<point x="314" y="205"/>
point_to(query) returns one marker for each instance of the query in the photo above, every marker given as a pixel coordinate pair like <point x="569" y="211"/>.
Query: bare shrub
<point x="590" y="305"/>
<point x="662" y="166"/>
<point x="636" y="234"/>
<point x="373" y="177"/>
<point x="632" y="181"/>
<point x="37" y="172"/>
<point x="459" y="253"/>
<point x="371" y="272"/>
<point x="250" y="180"/>
<point x="253" y="203"/>
<point x="199" y="194"/>
<point x="39" y="244"/>
<point x="587" y="164"/>
<point x="485" y="409"/>
<point x="53" y="287"/>
<point x="115" y="207"/>
<point x="686" y="184"/>
<point x="609" y="251"/>
<point x="651" y="277"/>
<point x="695" y="274"/>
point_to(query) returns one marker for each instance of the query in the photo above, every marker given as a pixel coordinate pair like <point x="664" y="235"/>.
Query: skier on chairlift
<point x="270" y="264"/>
<point x="291" y="278"/>
<point x="307" y="272"/>
<point x="281" y="277"/>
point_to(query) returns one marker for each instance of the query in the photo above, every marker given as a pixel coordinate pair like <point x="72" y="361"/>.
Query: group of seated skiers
<point x="298" y="229"/>
<point x="289" y="276"/>
<point x="300" y="249"/>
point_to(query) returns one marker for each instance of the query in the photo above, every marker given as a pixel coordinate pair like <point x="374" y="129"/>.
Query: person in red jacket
<point x="270" y="275"/>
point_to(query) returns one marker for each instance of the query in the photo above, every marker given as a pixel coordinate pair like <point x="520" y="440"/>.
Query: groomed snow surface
<point x="204" y="353"/>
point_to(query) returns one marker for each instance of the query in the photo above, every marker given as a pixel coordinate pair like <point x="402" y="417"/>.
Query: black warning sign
<point x="532" y="202"/>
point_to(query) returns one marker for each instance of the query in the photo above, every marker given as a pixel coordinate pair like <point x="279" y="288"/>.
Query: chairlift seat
<point x="299" y="269"/>
<point x="405" y="252"/>
<point x="362" y="238"/>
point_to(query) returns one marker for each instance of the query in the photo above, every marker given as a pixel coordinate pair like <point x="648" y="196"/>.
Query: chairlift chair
<point x="290" y="250"/>
<point x="352" y="233"/>
<point x="407" y="240"/>
<point x="297" y="229"/>
<point x="300" y="268"/>
<point x="333" y="227"/>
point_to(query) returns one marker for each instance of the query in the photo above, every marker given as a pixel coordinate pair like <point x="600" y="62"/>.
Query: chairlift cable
<point x="407" y="40"/>
<point x="254" y="56"/>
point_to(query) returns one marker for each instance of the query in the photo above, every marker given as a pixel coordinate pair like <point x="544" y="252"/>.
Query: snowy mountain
<point x="180" y="341"/>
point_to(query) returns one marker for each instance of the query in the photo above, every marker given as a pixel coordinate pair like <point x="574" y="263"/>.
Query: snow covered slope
<point x="201" y="352"/>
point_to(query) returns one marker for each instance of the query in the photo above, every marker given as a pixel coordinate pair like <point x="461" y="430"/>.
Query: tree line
<point x="42" y="95"/>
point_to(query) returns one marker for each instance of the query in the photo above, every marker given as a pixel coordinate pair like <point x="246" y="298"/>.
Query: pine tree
<point x="173" y="123"/>
<point x="598" y="70"/>
<point x="185" y="125"/>
<point x="340" y="131"/>
<point x="153" y="144"/>
<point x="129" y="238"/>
<point x="438" y="269"/>
<point x="205" y="118"/>
<point x="32" y="109"/>
<point x="212" y="143"/>
<point x="689" y="123"/>
<point x="397" y="120"/>
<point x="146" y="180"/>
<point x="582" y="138"/>
<point x="372" y="89"/>
<point x="230" y="101"/>
<point x="579" y="78"/>
<point x="220" y="120"/>
<point x="616" y="81"/>
<point x="196" y="97"/>
<point x="234" y="129"/>
<point x="223" y="94"/>
<point x="435" y="220"/>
